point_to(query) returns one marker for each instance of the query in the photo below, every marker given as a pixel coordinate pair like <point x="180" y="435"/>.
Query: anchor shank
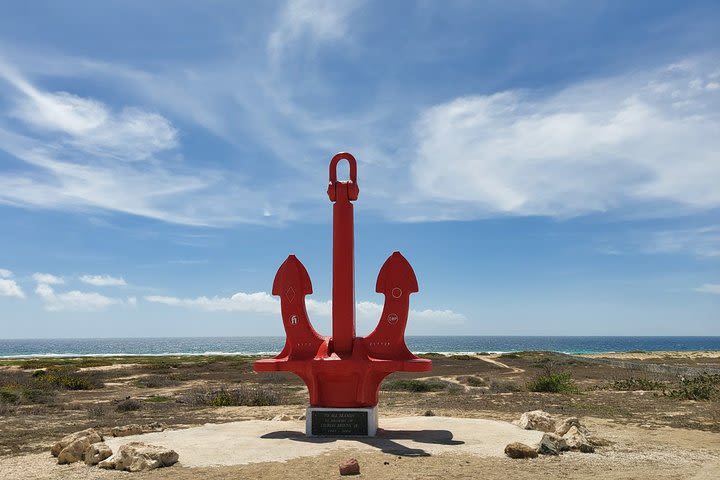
<point x="343" y="289"/>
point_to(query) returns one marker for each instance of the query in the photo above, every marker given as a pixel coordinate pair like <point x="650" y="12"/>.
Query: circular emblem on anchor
<point x="293" y="320"/>
<point x="396" y="292"/>
<point x="392" y="319"/>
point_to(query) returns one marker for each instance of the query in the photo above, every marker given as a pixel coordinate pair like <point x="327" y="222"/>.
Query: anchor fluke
<point x="396" y="272"/>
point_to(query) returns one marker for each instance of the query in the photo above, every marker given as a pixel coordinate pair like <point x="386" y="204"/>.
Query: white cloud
<point x="47" y="279"/>
<point x="103" y="280"/>
<point x="263" y="302"/>
<point x="704" y="241"/>
<point x="74" y="300"/>
<point x="713" y="288"/>
<point x="596" y="146"/>
<point x="310" y="20"/>
<point x="259" y="302"/>
<point x="5" y="273"/>
<point x="10" y="288"/>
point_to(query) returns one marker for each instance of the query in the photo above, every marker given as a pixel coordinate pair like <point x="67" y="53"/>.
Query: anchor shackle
<point x="341" y="190"/>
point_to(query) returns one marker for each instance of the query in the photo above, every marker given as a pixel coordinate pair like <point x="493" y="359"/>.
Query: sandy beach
<point x="641" y="410"/>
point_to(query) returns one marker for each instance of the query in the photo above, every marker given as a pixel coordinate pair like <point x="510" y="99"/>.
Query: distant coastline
<point x="194" y="346"/>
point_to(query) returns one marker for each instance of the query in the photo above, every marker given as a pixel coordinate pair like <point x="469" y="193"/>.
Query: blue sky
<point x="548" y="168"/>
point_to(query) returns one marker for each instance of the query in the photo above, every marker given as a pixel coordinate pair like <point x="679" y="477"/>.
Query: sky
<point x="547" y="167"/>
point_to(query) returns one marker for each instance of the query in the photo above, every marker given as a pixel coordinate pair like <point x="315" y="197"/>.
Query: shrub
<point x="128" y="405"/>
<point x="96" y="410"/>
<point x="159" y="399"/>
<point x="504" y="386"/>
<point x="509" y="355"/>
<point x="702" y="387"/>
<point x="464" y="357"/>
<point x="411" y="385"/>
<point x="241" y="396"/>
<point x="472" y="381"/>
<point x="553" y="383"/>
<point x="64" y="377"/>
<point x="632" y="383"/>
<point x="157" y="381"/>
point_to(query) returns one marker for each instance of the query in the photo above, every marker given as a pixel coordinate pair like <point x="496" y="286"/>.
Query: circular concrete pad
<point x="254" y="441"/>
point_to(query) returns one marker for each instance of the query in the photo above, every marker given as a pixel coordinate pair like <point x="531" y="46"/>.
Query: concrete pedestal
<point x="341" y="422"/>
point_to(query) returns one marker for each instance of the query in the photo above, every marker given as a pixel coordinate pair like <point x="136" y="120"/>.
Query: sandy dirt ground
<point x="414" y="448"/>
<point x="651" y="433"/>
<point x="690" y="355"/>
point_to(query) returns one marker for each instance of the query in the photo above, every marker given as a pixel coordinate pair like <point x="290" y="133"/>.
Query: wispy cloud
<point x="264" y="303"/>
<point x="48" y="279"/>
<point x="310" y="21"/>
<point x="103" y="280"/>
<point x="8" y="286"/>
<point x="713" y="288"/>
<point x="90" y="125"/>
<point x="83" y="155"/>
<point x="703" y="242"/>
<point x="646" y="140"/>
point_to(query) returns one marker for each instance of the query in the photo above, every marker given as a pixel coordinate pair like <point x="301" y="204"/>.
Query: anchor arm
<point x="292" y="283"/>
<point x="396" y="281"/>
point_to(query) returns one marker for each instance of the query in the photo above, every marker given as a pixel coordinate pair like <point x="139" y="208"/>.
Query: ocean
<point x="272" y="345"/>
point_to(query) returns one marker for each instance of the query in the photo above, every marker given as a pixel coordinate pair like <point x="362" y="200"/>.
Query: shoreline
<point x="619" y="355"/>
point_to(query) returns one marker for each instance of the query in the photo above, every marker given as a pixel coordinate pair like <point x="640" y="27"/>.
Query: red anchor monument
<point x="343" y="372"/>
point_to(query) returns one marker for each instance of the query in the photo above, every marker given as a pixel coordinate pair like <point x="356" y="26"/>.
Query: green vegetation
<point x="412" y="385"/>
<point x="161" y="362"/>
<point x="159" y="399"/>
<point x="463" y="357"/>
<point x="702" y="387"/>
<point x="504" y="386"/>
<point x="431" y="355"/>
<point x="64" y="377"/>
<point x="632" y="383"/>
<point x="158" y="381"/>
<point x="230" y="397"/>
<point x="553" y="383"/>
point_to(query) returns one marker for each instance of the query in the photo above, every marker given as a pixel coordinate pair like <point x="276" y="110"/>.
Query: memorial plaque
<point x="339" y="422"/>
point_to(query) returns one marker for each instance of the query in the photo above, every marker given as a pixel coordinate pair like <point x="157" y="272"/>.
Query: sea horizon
<point x="271" y="345"/>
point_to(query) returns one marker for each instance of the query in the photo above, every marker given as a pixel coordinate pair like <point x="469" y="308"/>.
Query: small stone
<point x="96" y="453"/>
<point x="138" y="456"/>
<point x="429" y="413"/>
<point x="349" y="467"/>
<point x="92" y="435"/>
<point x="74" y="452"/>
<point x="552" y="444"/>
<point x="562" y="427"/>
<point x="574" y="438"/>
<point x="135" y="429"/>
<point x="587" y="448"/>
<point x="537" y="420"/>
<point x="282" y="418"/>
<point x="386" y="463"/>
<point x="520" y="450"/>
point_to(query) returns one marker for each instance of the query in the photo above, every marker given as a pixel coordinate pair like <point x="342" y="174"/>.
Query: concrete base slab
<point x="253" y="441"/>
